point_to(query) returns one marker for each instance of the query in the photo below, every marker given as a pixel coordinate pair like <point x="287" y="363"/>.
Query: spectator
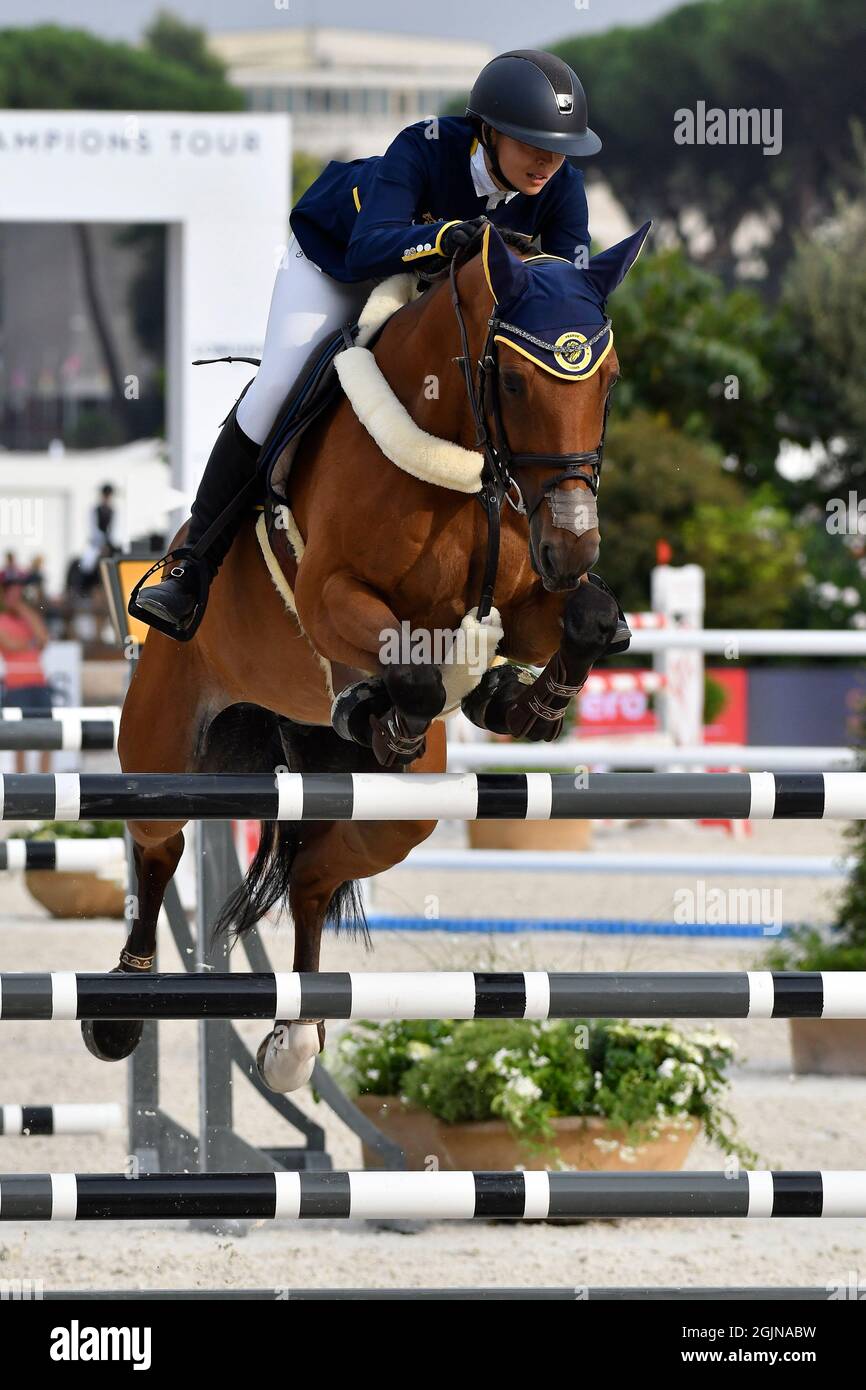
<point x="23" y="635"/>
<point x="11" y="571"/>
<point x="34" y="582"/>
<point x="100" y="542"/>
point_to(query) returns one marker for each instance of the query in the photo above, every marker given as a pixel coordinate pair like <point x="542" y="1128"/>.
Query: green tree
<point x="170" y="38"/>
<point x="825" y="304"/>
<point x="702" y="356"/>
<point x="306" y="168"/>
<point x="661" y="485"/>
<point x="802" y="57"/>
<point x="653" y="477"/>
<point x="833" y="592"/>
<point x="752" y="556"/>
<point x="47" y="67"/>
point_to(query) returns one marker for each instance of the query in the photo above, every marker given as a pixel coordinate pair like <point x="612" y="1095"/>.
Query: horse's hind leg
<point x="160" y="730"/>
<point x="287" y="1055"/>
<point x="113" y="1039"/>
<point x="330" y="857"/>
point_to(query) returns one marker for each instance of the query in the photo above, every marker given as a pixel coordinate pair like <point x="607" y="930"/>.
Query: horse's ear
<point x="507" y="276"/>
<point x="608" y="269"/>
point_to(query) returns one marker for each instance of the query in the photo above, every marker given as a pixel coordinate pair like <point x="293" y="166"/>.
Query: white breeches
<point x="306" y="306"/>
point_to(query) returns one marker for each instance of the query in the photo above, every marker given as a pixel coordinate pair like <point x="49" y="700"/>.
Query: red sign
<point x="606" y="712"/>
<point x="611" y="711"/>
<point x="731" y="725"/>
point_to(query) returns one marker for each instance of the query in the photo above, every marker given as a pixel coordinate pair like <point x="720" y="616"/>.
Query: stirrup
<point x="190" y="627"/>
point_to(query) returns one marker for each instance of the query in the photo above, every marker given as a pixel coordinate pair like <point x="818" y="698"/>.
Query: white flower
<point x="472" y="1064"/>
<point x="696" y="1075"/>
<point x="502" y="1061"/>
<point x="524" y="1087"/>
<point x="682" y="1096"/>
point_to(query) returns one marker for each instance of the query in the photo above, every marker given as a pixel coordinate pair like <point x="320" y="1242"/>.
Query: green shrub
<point x="530" y="1073"/>
<point x="809" y="949"/>
<point x="842" y="946"/>
<point x="73" y="830"/>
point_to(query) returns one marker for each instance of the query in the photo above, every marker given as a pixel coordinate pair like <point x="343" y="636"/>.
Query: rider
<point x="506" y="160"/>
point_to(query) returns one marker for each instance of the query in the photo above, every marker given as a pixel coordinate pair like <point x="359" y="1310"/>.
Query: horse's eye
<point x="512" y="383"/>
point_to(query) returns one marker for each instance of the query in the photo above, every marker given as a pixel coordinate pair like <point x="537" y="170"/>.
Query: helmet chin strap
<point x="496" y="167"/>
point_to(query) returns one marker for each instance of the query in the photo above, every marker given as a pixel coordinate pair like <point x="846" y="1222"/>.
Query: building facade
<point x="348" y="91"/>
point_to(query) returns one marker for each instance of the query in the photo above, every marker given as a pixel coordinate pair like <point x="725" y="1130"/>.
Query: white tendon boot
<point x="287" y="1056"/>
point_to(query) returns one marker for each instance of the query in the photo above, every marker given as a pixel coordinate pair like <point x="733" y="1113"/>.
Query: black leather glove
<point x="460" y="235"/>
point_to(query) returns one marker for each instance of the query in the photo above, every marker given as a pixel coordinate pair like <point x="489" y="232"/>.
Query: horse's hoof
<point x="288" y="1065"/>
<point x="111" y="1040"/>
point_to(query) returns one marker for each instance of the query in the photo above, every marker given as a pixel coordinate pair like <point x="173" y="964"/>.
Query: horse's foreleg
<point x="417" y="695"/>
<point x="347" y="622"/>
<point x="508" y="701"/>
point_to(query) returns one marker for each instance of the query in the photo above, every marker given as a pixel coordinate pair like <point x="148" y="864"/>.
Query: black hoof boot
<point x="621" y="640"/>
<point x="488" y="704"/>
<point x="111" y="1039"/>
<point x="355" y="706"/>
<point x="398" y="738"/>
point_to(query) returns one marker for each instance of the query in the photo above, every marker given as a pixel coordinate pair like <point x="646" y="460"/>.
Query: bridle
<point x="498" y="481"/>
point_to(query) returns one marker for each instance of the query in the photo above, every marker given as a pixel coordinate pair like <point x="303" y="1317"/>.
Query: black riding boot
<point x="177" y="604"/>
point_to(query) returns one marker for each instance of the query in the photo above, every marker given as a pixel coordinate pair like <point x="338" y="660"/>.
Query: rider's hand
<point x="455" y="238"/>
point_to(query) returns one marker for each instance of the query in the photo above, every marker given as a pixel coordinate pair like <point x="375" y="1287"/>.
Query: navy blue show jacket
<point x="373" y="217"/>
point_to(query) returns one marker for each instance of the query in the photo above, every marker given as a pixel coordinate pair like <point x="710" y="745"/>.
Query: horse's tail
<point x="269" y="879"/>
<point x="246" y="738"/>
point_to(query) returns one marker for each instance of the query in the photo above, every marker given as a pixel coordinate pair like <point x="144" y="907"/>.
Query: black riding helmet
<point x="534" y="97"/>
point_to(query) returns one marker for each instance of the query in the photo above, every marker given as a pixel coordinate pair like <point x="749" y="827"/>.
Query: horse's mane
<point x="519" y="241"/>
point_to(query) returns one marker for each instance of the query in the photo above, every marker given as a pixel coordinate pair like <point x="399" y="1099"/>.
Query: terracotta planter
<point x="530" y="834"/>
<point x="581" y="1143"/>
<point x="76" y="894"/>
<point x="829" y="1046"/>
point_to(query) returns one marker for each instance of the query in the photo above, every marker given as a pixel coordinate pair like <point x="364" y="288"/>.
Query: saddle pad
<point x="386" y="420"/>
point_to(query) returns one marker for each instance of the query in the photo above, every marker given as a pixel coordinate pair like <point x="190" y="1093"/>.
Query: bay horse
<point x="367" y="546"/>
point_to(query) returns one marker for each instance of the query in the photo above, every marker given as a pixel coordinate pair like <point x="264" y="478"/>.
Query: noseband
<point x="498" y="480"/>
